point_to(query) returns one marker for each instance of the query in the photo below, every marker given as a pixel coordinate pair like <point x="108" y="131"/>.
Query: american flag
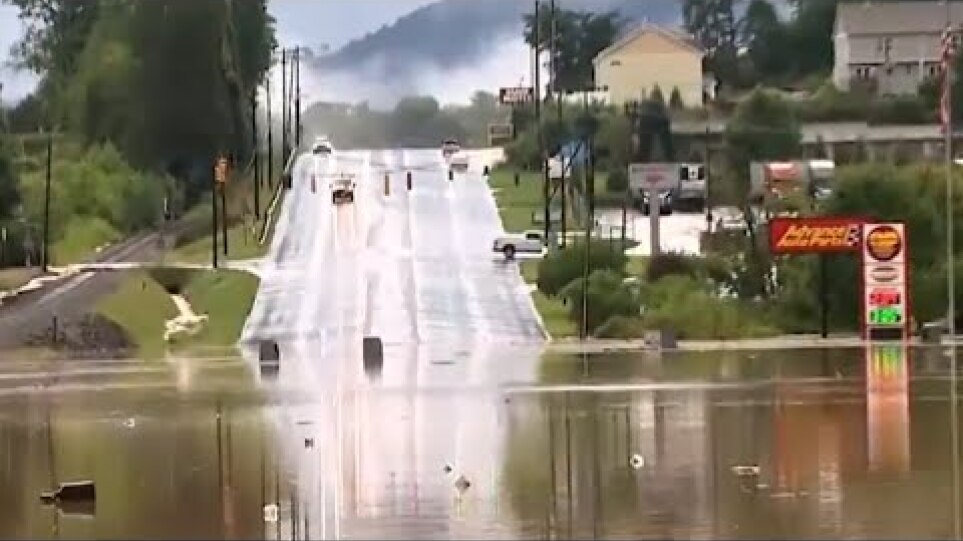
<point x="947" y="51"/>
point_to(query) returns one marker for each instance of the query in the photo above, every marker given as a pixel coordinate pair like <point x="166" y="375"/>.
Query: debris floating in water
<point x="745" y="471"/>
<point x="271" y="513"/>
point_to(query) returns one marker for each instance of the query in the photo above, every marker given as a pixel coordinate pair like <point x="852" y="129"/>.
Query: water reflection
<point x="847" y="443"/>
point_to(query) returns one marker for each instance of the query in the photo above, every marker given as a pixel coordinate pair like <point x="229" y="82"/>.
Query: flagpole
<point x="946" y="112"/>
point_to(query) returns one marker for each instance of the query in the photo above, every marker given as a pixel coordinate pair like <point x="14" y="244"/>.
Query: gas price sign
<point x="884" y="278"/>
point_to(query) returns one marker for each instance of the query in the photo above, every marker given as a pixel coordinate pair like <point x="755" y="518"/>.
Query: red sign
<point x="885" y="296"/>
<point x="814" y="235"/>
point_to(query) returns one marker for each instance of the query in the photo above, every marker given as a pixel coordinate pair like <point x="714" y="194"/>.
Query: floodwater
<point x="847" y="443"/>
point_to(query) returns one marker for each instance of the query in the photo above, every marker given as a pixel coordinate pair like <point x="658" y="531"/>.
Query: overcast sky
<point x="312" y="23"/>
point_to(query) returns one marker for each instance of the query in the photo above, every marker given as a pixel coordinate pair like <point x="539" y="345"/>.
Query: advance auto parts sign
<point x="814" y="235"/>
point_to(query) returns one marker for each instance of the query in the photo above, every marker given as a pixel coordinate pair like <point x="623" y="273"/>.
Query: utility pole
<point x="224" y="213"/>
<point x="257" y="164"/>
<point x="553" y="62"/>
<point x="590" y="203"/>
<point x="546" y="194"/>
<point x="45" y="255"/>
<point x="214" y="182"/>
<point x="297" y="97"/>
<point x="284" y="104"/>
<point x="270" y="135"/>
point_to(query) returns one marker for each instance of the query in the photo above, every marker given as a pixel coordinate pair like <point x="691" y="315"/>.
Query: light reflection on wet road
<point x="846" y="448"/>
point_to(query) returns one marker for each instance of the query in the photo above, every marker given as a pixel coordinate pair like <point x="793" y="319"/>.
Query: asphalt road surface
<point x="416" y="269"/>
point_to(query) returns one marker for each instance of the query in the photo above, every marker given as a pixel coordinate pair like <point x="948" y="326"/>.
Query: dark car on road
<point x="665" y="203"/>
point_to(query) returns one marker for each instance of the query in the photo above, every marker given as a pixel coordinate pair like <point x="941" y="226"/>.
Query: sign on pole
<point x="814" y="235"/>
<point x="500" y="133"/>
<point x="653" y="176"/>
<point x="516" y="95"/>
<point x="885" y="303"/>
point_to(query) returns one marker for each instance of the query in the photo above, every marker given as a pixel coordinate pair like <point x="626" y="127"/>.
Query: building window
<point x="615" y="63"/>
<point x="933" y="70"/>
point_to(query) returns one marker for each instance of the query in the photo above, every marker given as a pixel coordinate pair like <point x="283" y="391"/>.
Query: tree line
<point x="167" y="82"/>
<point x="140" y="97"/>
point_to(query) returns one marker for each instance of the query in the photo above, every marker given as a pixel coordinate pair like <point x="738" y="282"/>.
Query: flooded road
<point x="844" y="443"/>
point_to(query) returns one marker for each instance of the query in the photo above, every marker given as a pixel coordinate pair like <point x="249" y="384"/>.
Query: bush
<point x="560" y="267"/>
<point x="617" y="181"/>
<point x="606" y="296"/>
<point x="683" y="305"/>
<point x="622" y="328"/>
<point x="671" y="263"/>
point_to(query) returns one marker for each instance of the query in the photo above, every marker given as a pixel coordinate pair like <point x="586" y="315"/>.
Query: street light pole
<point x="546" y="195"/>
<point x="45" y="255"/>
<point x="284" y="104"/>
<point x="297" y="96"/>
<point x="270" y="134"/>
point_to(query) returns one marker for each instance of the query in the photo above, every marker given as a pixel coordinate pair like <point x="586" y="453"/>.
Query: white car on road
<point x="530" y="242"/>
<point x="449" y="147"/>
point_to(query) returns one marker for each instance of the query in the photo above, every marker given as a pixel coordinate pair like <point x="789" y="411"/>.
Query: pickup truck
<point x="530" y="242"/>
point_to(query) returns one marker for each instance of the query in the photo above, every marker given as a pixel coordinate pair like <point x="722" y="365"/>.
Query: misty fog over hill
<point x="450" y="49"/>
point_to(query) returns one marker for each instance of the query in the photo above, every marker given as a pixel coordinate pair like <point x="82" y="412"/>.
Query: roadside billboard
<point x="815" y="235"/>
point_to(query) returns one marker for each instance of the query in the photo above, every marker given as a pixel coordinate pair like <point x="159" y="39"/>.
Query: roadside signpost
<point x="653" y="179"/>
<point x="884" y="295"/>
<point x="516" y="95"/>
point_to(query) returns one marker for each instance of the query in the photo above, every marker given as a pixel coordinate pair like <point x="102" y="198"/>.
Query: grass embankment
<point x="242" y="232"/>
<point x="142" y="305"/>
<point x="14" y="278"/>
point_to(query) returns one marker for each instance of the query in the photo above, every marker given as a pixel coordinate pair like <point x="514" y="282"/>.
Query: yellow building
<point x="648" y="56"/>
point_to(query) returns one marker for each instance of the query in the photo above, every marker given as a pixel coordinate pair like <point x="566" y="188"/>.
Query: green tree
<point x="675" y="99"/>
<point x="765" y="36"/>
<point x="656" y="95"/>
<point x="715" y="27"/>
<point x="580" y="37"/>
<point x="812" y="35"/>
<point x="9" y="182"/>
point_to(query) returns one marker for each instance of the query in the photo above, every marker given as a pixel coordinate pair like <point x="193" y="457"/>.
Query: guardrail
<point x="285" y="184"/>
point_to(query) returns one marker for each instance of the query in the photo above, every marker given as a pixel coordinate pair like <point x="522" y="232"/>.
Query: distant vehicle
<point x="665" y="203"/>
<point x="322" y="145"/>
<point x="529" y="242"/>
<point x="449" y="147"/>
<point x="459" y="162"/>
<point x="691" y="191"/>
<point x="342" y="190"/>
<point x="780" y="179"/>
<point x="729" y="219"/>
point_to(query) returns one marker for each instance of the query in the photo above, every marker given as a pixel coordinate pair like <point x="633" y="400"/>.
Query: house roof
<point x="895" y="16"/>
<point x="683" y="40"/>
